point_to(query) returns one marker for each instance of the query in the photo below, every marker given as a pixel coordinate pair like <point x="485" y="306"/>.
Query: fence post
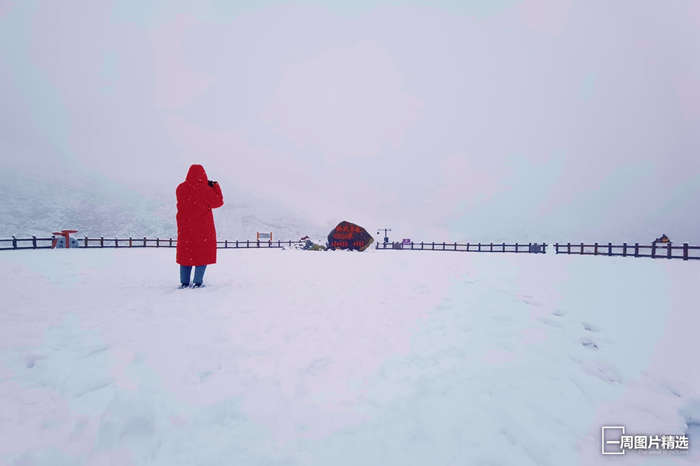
<point x="86" y="242"/>
<point x="157" y="242"/>
<point x="609" y="249"/>
<point x="131" y="244"/>
<point x="581" y="248"/>
<point x="34" y="241"/>
<point x="504" y="247"/>
<point x="516" y="247"/>
<point x="479" y="246"/>
<point x="455" y="245"/>
<point x="544" y="248"/>
<point x="102" y="241"/>
<point x="279" y="245"/>
<point x="421" y="244"/>
<point x="411" y="245"/>
<point x="116" y="242"/>
<point x="225" y="243"/>
<point x="467" y="247"/>
<point x="636" y="249"/>
<point x="247" y="243"/>
<point x="624" y="249"/>
<point x="144" y="241"/>
<point x="443" y="245"/>
<point x="595" y="250"/>
<point x="433" y="246"/>
<point x="491" y="250"/>
<point x="653" y="250"/>
<point x="568" y="248"/>
<point x="170" y="243"/>
<point x="236" y="244"/>
<point x="668" y="252"/>
<point x="556" y="248"/>
<point x="14" y="242"/>
<point x="685" y="251"/>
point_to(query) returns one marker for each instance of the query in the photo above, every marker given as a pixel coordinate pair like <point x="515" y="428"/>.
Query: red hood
<point x="196" y="174"/>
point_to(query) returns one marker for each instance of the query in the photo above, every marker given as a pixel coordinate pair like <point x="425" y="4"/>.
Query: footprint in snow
<point x="588" y="343"/>
<point x="550" y="322"/>
<point x="96" y="350"/>
<point x="317" y="366"/>
<point x="691" y="413"/>
<point x="590" y="327"/>
<point x="31" y="360"/>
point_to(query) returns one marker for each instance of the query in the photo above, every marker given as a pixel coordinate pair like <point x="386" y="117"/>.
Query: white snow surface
<point x="343" y="358"/>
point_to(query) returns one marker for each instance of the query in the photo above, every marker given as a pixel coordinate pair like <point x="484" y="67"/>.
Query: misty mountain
<point x="101" y="208"/>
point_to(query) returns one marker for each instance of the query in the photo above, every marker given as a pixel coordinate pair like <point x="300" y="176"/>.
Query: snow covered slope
<point x="97" y="207"/>
<point x="336" y="358"/>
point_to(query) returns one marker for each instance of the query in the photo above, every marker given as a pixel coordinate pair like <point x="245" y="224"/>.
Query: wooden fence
<point x="102" y="242"/>
<point x="655" y="251"/>
<point x="533" y="248"/>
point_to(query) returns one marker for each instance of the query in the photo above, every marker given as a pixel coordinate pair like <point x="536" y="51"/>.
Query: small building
<point x="63" y="239"/>
<point x="662" y="239"/>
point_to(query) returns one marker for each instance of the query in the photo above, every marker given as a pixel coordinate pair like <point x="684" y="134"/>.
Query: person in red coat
<point x="196" y="235"/>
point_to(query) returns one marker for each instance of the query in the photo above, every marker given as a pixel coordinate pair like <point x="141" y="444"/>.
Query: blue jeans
<point x="186" y="271"/>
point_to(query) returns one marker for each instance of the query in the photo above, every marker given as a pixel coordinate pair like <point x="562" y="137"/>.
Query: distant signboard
<point x="406" y="242"/>
<point x="267" y="236"/>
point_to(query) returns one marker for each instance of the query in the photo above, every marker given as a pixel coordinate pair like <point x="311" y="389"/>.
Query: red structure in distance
<point x="66" y="234"/>
<point x="349" y="236"/>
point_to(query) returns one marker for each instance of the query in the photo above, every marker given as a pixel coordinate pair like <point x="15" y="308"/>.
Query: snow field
<point x="315" y="358"/>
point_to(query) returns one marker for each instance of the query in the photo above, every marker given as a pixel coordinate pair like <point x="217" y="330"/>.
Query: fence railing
<point x="26" y="243"/>
<point x="655" y="251"/>
<point x="532" y="248"/>
<point x="102" y="242"/>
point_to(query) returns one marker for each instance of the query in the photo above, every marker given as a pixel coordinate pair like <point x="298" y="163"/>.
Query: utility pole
<point x="386" y="236"/>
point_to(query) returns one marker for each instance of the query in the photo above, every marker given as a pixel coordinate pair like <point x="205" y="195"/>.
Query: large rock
<point x="349" y="236"/>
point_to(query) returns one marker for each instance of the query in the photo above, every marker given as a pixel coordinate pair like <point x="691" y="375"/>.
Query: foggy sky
<point x="482" y="120"/>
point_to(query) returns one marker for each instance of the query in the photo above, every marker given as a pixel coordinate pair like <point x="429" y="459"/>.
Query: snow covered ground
<point x="335" y="358"/>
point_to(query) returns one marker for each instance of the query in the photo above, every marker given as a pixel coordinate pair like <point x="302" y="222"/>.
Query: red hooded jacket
<point x="196" y="235"/>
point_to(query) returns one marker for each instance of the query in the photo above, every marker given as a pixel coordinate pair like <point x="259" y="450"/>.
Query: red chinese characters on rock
<point x="349" y="236"/>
